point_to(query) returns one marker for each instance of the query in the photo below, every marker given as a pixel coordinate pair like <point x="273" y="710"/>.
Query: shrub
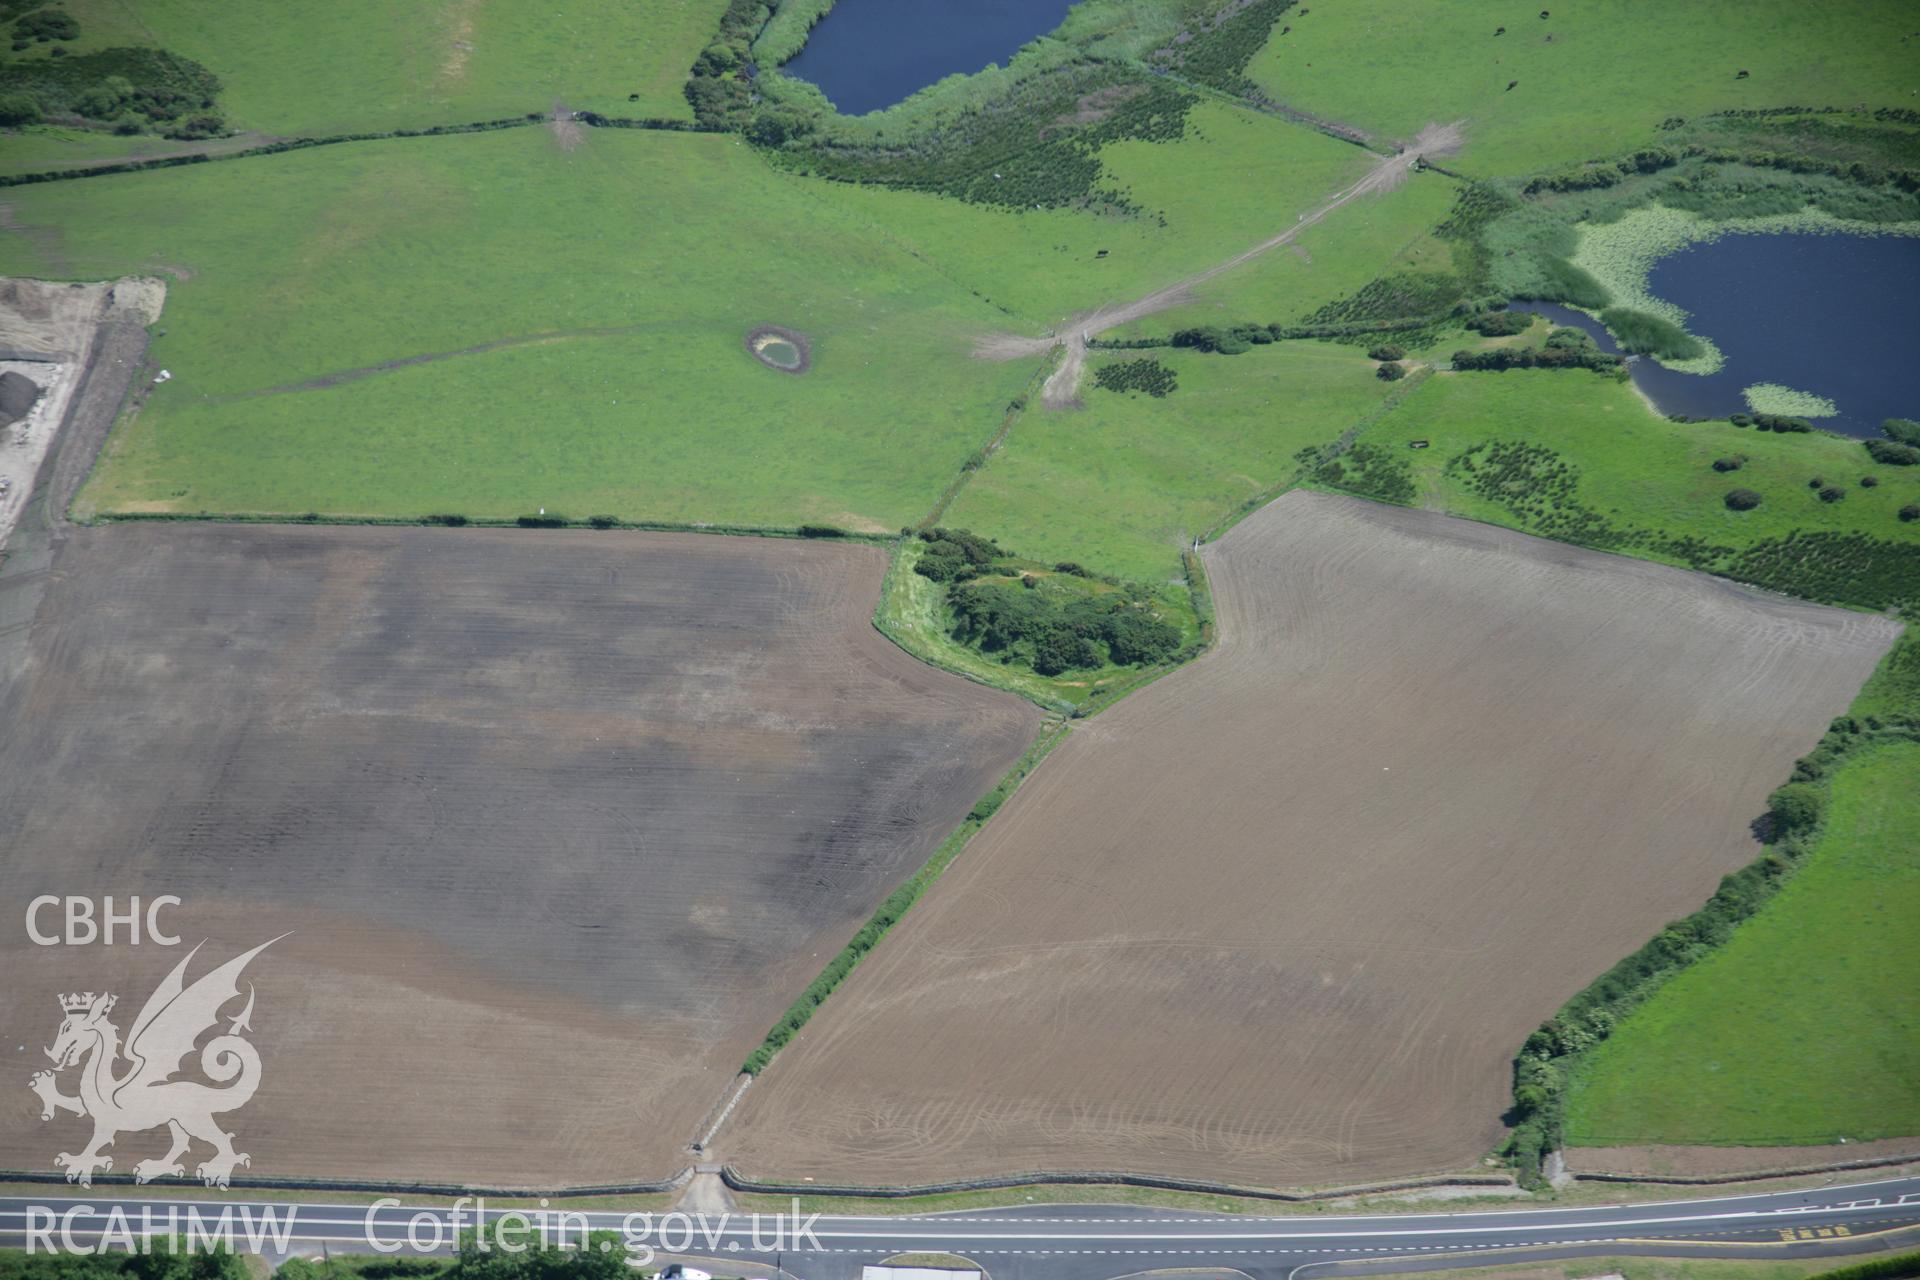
<point x="1905" y="430"/>
<point x="1370" y="471"/>
<point x="1585" y="356"/>
<point x="18" y="109"/>
<point x="1728" y="464"/>
<point x="1798" y="806"/>
<point x="1816" y="483"/>
<point x="603" y="522"/>
<point x="452" y="521"/>
<point x="1650" y="334"/>
<point x="1910" y="512"/>
<point x="48" y="24"/>
<point x="1868" y="482"/>
<point x="1387" y="351"/>
<point x="1742" y="500"/>
<point x="1146" y="375"/>
<point x="987" y="805"/>
<point x="1891" y="453"/>
<point x="1390" y="372"/>
<point x="1500" y="324"/>
<point x="822" y="531"/>
<point x="1832" y="493"/>
<point x="542" y="521"/>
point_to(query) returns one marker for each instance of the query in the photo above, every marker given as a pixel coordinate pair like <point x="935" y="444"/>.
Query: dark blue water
<point x="1836" y="315"/>
<point x="869" y="54"/>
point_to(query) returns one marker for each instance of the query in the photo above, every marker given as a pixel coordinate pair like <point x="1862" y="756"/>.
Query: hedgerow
<point x="1792" y="824"/>
<point x="894" y="908"/>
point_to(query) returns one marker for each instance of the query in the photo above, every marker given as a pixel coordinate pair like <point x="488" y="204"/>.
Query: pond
<point x="782" y="353"/>
<point x="1835" y="315"/>
<point x="866" y="55"/>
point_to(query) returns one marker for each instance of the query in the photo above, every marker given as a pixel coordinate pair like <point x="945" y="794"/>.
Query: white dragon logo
<point x="146" y="1096"/>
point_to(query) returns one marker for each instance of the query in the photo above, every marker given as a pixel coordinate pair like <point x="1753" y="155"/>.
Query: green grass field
<point x="1612" y="71"/>
<point x="359" y="65"/>
<point x="1637" y="468"/>
<point x="1805" y="1026"/>
<point x="630" y="269"/>
<point x="1236" y="178"/>
<point x="1127" y="483"/>
<point x="45" y="148"/>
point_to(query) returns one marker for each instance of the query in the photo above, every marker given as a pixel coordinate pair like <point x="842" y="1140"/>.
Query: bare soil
<point x="1283" y="917"/>
<point x="57" y="336"/>
<point x="561" y="821"/>
<point x="1062" y="388"/>
<point x="567" y="133"/>
<point x="1714" y="1161"/>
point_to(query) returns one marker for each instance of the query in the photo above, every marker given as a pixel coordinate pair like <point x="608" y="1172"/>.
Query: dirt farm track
<point x="560" y="821"/>
<point x="1284" y="916"/>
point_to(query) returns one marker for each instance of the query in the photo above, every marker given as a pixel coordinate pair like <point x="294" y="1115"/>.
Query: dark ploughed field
<point x="561" y="821"/>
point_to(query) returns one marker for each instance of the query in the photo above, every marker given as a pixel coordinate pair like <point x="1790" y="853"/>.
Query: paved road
<point x="1075" y="1242"/>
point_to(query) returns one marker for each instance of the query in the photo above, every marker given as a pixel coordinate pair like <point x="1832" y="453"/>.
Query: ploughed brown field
<point x="561" y="822"/>
<point x="1285" y="916"/>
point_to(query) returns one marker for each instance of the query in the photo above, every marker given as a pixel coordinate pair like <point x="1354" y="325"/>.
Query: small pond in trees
<point x="1834" y="315"/>
<point x="869" y="54"/>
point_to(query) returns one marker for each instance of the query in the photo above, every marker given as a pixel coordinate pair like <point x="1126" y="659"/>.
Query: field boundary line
<point x="589" y="118"/>
<point x="978" y="459"/>
<point x="1053" y="730"/>
<point x="738" y="1181"/>
<point x="244" y="1182"/>
<point x="1718" y="1179"/>
<point x="326" y="381"/>
<point x="543" y="523"/>
<point x="1326" y="453"/>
